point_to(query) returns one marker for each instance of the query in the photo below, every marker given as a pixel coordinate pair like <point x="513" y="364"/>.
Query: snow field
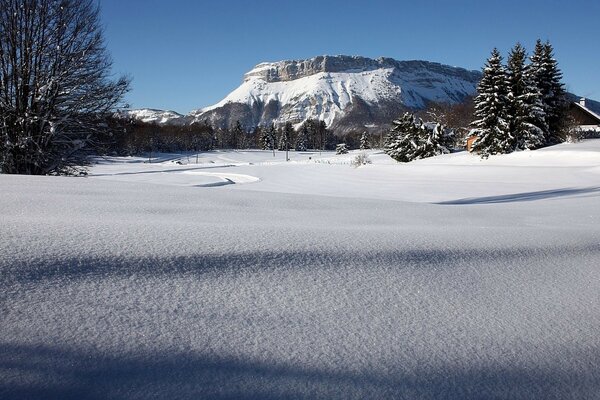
<point x="343" y="283"/>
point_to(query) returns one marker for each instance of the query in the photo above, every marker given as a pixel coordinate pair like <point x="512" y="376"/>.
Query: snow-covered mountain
<point x="346" y="92"/>
<point x="151" y="115"/>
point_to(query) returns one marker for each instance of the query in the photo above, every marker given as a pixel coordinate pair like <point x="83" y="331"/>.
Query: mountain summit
<point x="347" y="92"/>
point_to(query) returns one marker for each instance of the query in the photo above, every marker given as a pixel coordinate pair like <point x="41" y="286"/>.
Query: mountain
<point x="150" y="115"/>
<point x="347" y="92"/>
<point x="344" y="91"/>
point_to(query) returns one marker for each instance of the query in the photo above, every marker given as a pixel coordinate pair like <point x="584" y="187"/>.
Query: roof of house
<point x="587" y="110"/>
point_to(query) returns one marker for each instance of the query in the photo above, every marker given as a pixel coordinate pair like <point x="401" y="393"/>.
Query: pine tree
<point x="341" y="149"/>
<point x="403" y="140"/>
<point x="411" y="139"/>
<point x="526" y="118"/>
<point x="434" y="139"/>
<point x="491" y="108"/>
<point x="286" y="136"/>
<point x="547" y="76"/>
<point x="237" y="135"/>
<point x="268" y="138"/>
<point x="364" y="141"/>
<point x="302" y="139"/>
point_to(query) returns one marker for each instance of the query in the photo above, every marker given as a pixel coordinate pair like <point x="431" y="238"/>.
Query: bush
<point x="341" y="149"/>
<point x="361" y="159"/>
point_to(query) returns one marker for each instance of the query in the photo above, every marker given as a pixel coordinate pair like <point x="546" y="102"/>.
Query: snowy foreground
<point x="247" y="277"/>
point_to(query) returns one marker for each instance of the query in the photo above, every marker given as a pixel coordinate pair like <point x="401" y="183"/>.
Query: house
<point x="585" y="119"/>
<point x="470" y="141"/>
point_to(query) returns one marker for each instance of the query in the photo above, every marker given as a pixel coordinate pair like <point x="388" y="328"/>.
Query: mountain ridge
<point x="347" y="92"/>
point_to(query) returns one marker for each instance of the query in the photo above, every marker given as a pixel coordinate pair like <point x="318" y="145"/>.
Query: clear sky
<point x="188" y="54"/>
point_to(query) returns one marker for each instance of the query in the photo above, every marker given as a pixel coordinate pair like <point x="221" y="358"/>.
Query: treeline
<point x="519" y="106"/>
<point x="133" y="137"/>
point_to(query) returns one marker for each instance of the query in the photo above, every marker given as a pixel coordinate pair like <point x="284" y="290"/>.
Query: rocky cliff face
<point x="346" y="92"/>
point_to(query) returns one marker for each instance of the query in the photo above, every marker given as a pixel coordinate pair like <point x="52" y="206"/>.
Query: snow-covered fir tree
<point x="492" y="129"/>
<point x="547" y="75"/>
<point x="341" y="149"/>
<point x="285" y="137"/>
<point x="435" y="140"/>
<point x="268" y="137"/>
<point x="364" y="141"/>
<point x="401" y="141"/>
<point x="527" y="122"/>
<point x="302" y="138"/>
<point x="410" y="139"/>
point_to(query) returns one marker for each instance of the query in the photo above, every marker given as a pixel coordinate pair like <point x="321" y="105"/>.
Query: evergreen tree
<point x="321" y="133"/>
<point x="491" y="109"/>
<point x="547" y="77"/>
<point x="341" y="149"/>
<point x="526" y="117"/>
<point x="286" y="135"/>
<point x="364" y="141"/>
<point x="237" y="135"/>
<point x="435" y="139"/>
<point x="403" y="139"/>
<point x="411" y="139"/>
<point x="268" y="137"/>
<point x="302" y="138"/>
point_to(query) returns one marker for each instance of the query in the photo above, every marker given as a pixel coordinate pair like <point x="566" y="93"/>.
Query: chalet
<point x="585" y="119"/>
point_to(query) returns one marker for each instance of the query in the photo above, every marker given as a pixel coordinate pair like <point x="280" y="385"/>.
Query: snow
<point x="150" y="115"/>
<point x="326" y="95"/>
<point x="451" y="277"/>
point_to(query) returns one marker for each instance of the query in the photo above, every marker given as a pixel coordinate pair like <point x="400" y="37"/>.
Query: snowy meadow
<point x="236" y="274"/>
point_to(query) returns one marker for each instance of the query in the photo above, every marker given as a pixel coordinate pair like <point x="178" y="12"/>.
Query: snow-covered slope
<point x="341" y="90"/>
<point x="134" y="284"/>
<point x="151" y="115"/>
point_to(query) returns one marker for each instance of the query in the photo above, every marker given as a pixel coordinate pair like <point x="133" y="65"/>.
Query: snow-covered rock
<point x="344" y="91"/>
<point x="150" y="115"/>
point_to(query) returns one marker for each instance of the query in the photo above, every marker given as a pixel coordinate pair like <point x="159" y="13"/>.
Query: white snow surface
<point x="446" y="278"/>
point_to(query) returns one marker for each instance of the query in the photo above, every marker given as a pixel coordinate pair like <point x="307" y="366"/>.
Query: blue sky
<point x="186" y="54"/>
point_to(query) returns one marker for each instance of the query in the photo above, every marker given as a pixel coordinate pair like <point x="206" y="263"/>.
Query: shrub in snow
<point x="361" y="159"/>
<point x="341" y="149"/>
<point x="410" y="139"/>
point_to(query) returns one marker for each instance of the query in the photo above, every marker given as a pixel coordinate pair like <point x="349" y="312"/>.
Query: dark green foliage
<point x="302" y="139"/>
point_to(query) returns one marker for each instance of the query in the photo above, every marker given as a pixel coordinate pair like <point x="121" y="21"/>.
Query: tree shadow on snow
<point x="37" y="270"/>
<point x="36" y="372"/>
<point x="528" y="196"/>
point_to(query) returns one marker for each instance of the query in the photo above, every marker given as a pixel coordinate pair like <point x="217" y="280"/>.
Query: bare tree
<point x="56" y="87"/>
